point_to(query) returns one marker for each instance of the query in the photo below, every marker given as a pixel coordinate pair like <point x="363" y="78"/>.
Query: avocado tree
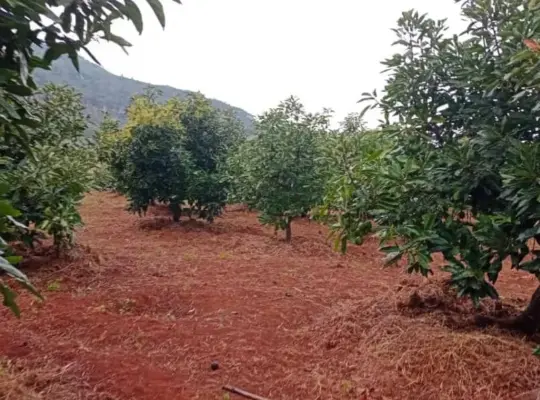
<point x="462" y="176"/>
<point x="352" y="159"/>
<point x="281" y="174"/>
<point x="158" y="168"/>
<point x="48" y="186"/>
<point x="205" y="137"/>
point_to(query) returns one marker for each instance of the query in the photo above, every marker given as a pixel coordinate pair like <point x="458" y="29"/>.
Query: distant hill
<point x="105" y="92"/>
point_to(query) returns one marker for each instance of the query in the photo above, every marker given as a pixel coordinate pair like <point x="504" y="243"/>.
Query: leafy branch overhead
<point x="59" y="27"/>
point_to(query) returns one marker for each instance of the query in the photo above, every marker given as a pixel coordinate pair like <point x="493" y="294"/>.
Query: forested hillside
<point x="105" y="92"/>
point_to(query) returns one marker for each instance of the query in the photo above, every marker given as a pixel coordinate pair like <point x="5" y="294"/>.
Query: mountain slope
<point x="105" y="92"/>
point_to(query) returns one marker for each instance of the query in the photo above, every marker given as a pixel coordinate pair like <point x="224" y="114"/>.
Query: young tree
<point x="281" y="176"/>
<point x="158" y="168"/>
<point x="48" y="186"/>
<point x="353" y="160"/>
<point x="461" y="179"/>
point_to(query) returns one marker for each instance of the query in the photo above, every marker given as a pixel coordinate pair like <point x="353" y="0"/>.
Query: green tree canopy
<point x="158" y="169"/>
<point x="279" y="172"/>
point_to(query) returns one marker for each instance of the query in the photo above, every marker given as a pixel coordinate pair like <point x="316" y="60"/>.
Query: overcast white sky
<point x="255" y="53"/>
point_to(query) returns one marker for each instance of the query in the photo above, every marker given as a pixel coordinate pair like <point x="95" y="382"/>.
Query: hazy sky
<point x="255" y="53"/>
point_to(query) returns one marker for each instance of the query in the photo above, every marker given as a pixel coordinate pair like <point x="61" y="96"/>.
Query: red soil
<point x="143" y="307"/>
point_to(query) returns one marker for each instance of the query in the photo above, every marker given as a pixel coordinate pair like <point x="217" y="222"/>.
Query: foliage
<point x="48" y="186"/>
<point x="145" y="109"/>
<point x="60" y="111"/>
<point x="104" y="138"/>
<point x="61" y="114"/>
<point x="241" y="177"/>
<point x="158" y="169"/>
<point x="48" y="189"/>
<point x="353" y="160"/>
<point x="59" y="28"/>
<point x="461" y="176"/>
<point x="190" y="176"/>
<point x="278" y="172"/>
<point x="8" y="225"/>
<point x="352" y="124"/>
<point x="210" y="136"/>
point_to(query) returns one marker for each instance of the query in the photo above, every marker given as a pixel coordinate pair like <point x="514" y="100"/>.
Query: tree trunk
<point x="288" y="232"/>
<point x="176" y="211"/>
<point x="527" y="322"/>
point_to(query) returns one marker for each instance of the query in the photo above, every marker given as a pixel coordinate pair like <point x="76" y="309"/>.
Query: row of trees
<point x="452" y="169"/>
<point x="45" y="164"/>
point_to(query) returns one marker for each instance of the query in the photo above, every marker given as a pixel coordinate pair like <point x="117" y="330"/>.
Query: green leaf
<point x="12" y="271"/>
<point x="7" y="106"/>
<point x="14" y="259"/>
<point x="9" y="299"/>
<point x="87" y="51"/>
<point x="518" y="96"/>
<point x="19" y="90"/>
<point x="55" y="51"/>
<point x="157" y="7"/>
<point x="390" y="249"/>
<point x="134" y="14"/>
<point x="74" y="59"/>
<point x="7" y="209"/>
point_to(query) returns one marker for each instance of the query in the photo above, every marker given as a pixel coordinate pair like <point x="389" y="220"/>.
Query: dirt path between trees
<point x="143" y="307"/>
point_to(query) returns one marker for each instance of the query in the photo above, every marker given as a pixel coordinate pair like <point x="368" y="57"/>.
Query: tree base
<point x="528" y="322"/>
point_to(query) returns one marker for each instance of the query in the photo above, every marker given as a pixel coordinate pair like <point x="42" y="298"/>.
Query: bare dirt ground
<point x="143" y="306"/>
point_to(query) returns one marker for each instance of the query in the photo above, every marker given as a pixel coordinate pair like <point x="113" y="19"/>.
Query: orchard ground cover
<point x="143" y="306"/>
